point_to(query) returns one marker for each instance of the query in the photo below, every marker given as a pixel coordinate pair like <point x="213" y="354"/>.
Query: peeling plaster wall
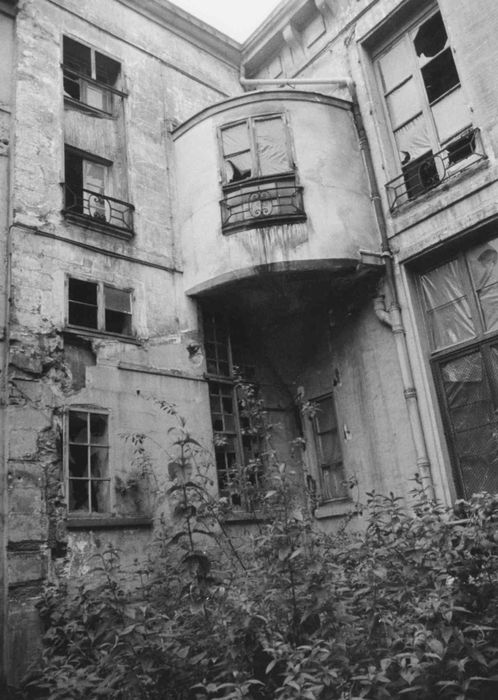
<point x="166" y="78"/>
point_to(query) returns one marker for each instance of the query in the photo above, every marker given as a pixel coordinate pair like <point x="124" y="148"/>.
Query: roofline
<point x="274" y="22"/>
<point x="190" y="28"/>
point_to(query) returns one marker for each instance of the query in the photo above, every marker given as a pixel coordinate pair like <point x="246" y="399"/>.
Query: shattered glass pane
<point x="447" y="308"/>
<point x="82" y="291"/>
<point x="430" y="38"/>
<point x="99" y="462"/>
<point x="403" y="103"/>
<point x="271" y="146"/>
<point x="451" y="115"/>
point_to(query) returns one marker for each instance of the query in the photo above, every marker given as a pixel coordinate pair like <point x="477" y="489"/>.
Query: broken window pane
<point x="76" y="56"/>
<point x="82" y="303"/>
<point x="78" y="429"/>
<point x="106" y="69"/>
<point x="440" y="75"/>
<point x="271" y="146"/>
<point x="431" y="38"/>
<point x="94" y="177"/>
<point x="88" y="462"/>
<point x="403" y="103"/>
<point x="237" y="152"/>
<point x="420" y="175"/>
<point x="100" y="496"/>
<point x="78" y="495"/>
<point x="447" y="308"/>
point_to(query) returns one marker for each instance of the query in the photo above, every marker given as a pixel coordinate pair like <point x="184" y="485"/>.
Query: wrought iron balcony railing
<point x="87" y="92"/>
<point x="262" y="201"/>
<point x="432" y="169"/>
<point x="99" y="208"/>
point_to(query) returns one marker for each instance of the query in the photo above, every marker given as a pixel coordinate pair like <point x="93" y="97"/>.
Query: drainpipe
<point x="392" y="316"/>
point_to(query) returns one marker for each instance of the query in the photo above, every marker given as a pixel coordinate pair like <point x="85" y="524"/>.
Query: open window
<point x="330" y="465"/>
<point x="431" y="122"/>
<point x="88" y="481"/>
<point x="99" y="307"/>
<point x="259" y="177"/>
<point x="90" y="77"/>
<point x="87" y="190"/>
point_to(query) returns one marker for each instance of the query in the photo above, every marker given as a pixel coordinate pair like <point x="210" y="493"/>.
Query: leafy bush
<point x="408" y="608"/>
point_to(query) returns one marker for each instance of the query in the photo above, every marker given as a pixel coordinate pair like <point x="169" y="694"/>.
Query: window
<point x="331" y="475"/>
<point x="87" y="191"/>
<point x="99" y="307"/>
<point x="89" y="76"/>
<point x="258" y="172"/>
<point x="87" y="461"/>
<point x="431" y="123"/>
<point x="238" y="463"/>
<point x="460" y="302"/>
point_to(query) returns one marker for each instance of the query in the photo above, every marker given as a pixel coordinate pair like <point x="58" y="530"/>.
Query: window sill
<point x="88" y="222"/>
<point x="76" y="331"/>
<point x="88" y="109"/>
<point x="244" y="516"/>
<point x="107" y="522"/>
<point x="337" y="508"/>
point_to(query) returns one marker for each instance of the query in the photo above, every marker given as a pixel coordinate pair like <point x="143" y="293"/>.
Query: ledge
<point x="93" y="523"/>
<point x="335" y="509"/>
<point x="76" y="331"/>
<point x="88" y="223"/>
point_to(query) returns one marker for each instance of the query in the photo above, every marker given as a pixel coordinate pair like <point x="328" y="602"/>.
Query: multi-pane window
<point x="98" y="306"/>
<point x="87" y="461"/>
<point x="426" y="106"/>
<point x="328" y="449"/>
<point x="255" y="147"/>
<point x="89" y="76"/>
<point x="460" y="301"/>
<point x="238" y="463"/>
<point x="259" y="177"/>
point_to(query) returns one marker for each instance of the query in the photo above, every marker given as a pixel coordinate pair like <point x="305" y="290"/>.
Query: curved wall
<point x="339" y="218"/>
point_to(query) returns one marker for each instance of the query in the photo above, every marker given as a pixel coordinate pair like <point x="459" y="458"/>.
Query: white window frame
<point x="405" y="36"/>
<point x="101" y="307"/>
<point x="92" y="84"/>
<point x="253" y="148"/>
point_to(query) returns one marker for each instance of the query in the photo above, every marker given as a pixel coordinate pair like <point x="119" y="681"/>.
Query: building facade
<point x="314" y="209"/>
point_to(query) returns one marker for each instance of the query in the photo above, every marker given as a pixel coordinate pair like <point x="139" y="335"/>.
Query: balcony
<point x="270" y="181"/>
<point x="429" y="171"/>
<point x="89" y="207"/>
<point x="263" y="201"/>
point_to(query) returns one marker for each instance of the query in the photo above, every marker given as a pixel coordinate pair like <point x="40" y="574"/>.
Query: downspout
<point x="392" y="316"/>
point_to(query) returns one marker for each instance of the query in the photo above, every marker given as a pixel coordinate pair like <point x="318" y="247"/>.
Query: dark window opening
<point x="87" y="74"/>
<point x="461" y="148"/>
<point x="431" y="37"/>
<point x="440" y="75"/>
<point x="328" y="448"/>
<point x="83" y="310"/>
<point x="99" y="307"/>
<point x="88" y="462"/>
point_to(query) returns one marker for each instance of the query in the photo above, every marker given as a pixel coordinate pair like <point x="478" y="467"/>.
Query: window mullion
<point x="100" y="307"/>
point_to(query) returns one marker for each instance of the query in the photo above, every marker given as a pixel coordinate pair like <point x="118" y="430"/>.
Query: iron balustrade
<point x="100" y="208"/>
<point x="427" y="172"/>
<point x="261" y="201"/>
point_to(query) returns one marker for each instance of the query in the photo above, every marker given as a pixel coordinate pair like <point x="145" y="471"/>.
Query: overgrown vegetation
<point x="408" y="608"/>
